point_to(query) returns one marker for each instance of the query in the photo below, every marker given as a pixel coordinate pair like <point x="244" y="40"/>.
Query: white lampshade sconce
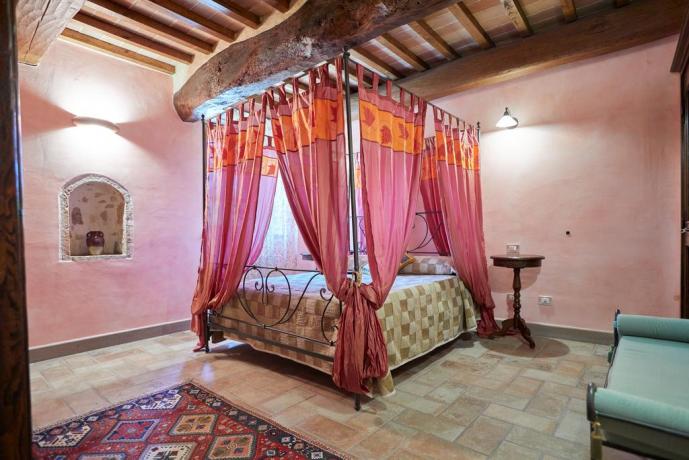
<point x="95" y="123"/>
<point x="507" y="121"/>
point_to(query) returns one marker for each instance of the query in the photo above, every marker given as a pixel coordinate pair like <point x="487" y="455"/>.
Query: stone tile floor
<point x="467" y="400"/>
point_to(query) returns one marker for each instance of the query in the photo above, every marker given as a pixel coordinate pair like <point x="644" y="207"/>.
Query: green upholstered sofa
<point x="644" y="407"/>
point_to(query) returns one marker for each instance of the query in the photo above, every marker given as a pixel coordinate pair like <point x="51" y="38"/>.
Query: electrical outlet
<point x="510" y="297"/>
<point x="512" y="249"/>
<point x="545" y="300"/>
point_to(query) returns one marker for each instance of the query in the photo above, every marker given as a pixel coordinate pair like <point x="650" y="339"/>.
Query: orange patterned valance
<point x="390" y="123"/>
<point x="314" y="115"/>
<point x="455" y="145"/>
<point x="233" y="141"/>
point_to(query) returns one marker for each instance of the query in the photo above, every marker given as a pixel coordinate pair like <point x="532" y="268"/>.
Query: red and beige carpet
<point x="179" y="423"/>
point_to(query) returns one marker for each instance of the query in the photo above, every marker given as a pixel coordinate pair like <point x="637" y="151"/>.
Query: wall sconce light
<point x="95" y="122"/>
<point x="507" y="120"/>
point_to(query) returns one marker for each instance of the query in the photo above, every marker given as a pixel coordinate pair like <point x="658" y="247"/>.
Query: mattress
<point x="420" y="313"/>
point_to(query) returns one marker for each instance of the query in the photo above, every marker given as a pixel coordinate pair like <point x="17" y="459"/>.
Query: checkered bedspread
<point x="420" y="313"/>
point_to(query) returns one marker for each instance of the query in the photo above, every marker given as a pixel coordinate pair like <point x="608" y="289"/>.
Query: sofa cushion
<point x="653" y="327"/>
<point x="653" y="369"/>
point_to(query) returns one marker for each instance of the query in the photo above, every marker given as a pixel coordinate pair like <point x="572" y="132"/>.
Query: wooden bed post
<point x="352" y="184"/>
<point x="15" y="405"/>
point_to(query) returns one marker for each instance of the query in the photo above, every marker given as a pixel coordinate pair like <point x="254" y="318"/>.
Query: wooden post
<point x="15" y="406"/>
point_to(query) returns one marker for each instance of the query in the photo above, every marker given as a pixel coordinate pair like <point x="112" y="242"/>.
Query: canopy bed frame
<point x="263" y="313"/>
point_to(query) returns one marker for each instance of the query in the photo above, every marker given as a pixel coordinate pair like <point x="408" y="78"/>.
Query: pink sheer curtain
<point x="309" y="138"/>
<point x="235" y="152"/>
<point x="310" y="141"/>
<point x="458" y="166"/>
<point x="390" y="156"/>
<point x="430" y="194"/>
<point x="361" y="235"/>
<point x="266" y="195"/>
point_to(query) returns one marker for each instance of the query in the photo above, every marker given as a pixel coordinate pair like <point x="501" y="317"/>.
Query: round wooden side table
<point x="516" y="263"/>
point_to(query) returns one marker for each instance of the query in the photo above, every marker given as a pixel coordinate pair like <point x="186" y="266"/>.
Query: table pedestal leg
<point x="517" y="322"/>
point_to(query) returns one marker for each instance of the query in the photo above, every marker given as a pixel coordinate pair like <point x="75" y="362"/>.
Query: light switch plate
<point x="545" y="300"/>
<point x="512" y="249"/>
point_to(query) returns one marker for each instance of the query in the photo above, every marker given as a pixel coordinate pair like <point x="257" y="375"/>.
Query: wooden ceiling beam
<point x="134" y="38"/>
<point x="569" y="10"/>
<point x="469" y="22"/>
<point x="211" y="27"/>
<point x="155" y="26"/>
<point x="640" y="22"/>
<point x="280" y="5"/>
<point x="314" y="33"/>
<point x="39" y="23"/>
<point x="620" y="3"/>
<point x="117" y="51"/>
<point x="240" y="14"/>
<point x="372" y="61"/>
<point x="515" y="12"/>
<point x="404" y="53"/>
<point x="432" y="37"/>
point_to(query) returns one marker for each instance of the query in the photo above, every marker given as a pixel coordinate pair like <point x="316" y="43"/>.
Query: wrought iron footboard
<point x="257" y="279"/>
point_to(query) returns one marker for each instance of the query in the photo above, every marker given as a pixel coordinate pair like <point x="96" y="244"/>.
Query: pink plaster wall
<point x="596" y="153"/>
<point x="155" y="157"/>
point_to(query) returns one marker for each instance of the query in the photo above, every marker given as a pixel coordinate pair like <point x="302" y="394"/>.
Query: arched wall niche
<point x="95" y="203"/>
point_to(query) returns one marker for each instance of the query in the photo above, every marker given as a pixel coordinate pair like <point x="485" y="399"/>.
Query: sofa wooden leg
<point x="596" y="442"/>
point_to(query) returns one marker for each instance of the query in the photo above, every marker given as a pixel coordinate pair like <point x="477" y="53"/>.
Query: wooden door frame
<point x="15" y="404"/>
<point x="680" y="64"/>
<point x="684" y="214"/>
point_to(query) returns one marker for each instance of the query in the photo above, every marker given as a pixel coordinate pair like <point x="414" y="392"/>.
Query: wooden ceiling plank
<point x="404" y="53"/>
<point x="516" y="13"/>
<point x="151" y="24"/>
<point x="469" y="22"/>
<point x="569" y="10"/>
<point x="280" y="5"/>
<point x="212" y="27"/>
<point x="315" y="32"/>
<point x="39" y="23"/>
<point x="118" y="32"/>
<point x="117" y="51"/>
<point x="425" y="31"/>
<point x="240" y="14"/>
<point x="609" y="31"/>
<point x="369" y="59"/>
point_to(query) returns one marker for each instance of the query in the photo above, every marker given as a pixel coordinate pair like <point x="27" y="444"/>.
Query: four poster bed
<point x="354" y="321"/>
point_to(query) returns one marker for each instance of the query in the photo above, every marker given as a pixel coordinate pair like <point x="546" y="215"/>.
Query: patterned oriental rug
<point x="178" y="423"/>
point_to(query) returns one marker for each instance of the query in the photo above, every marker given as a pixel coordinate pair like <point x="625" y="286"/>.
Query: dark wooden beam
<point x="212" y="27"/>
<point x="117" y="51"/>
<point x="616" y="29"/>
<point x="404" y="53"/>
<point x="374" y="62"/>
<point x="240" y="14"/>
<point x="39" y="22"/>
<point x="280" y="5"/>
<point x="620" y="3"/>
<point x="316" y="32"/>
<point x="434" y="39"/>
<point x="121" y="33"/>
<point x="569" y="10"/>
<point x="15" y="404"/>
<point x="155" y="26"/>
<point x="469" y="22"/>
<point x="516" y="14"/>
